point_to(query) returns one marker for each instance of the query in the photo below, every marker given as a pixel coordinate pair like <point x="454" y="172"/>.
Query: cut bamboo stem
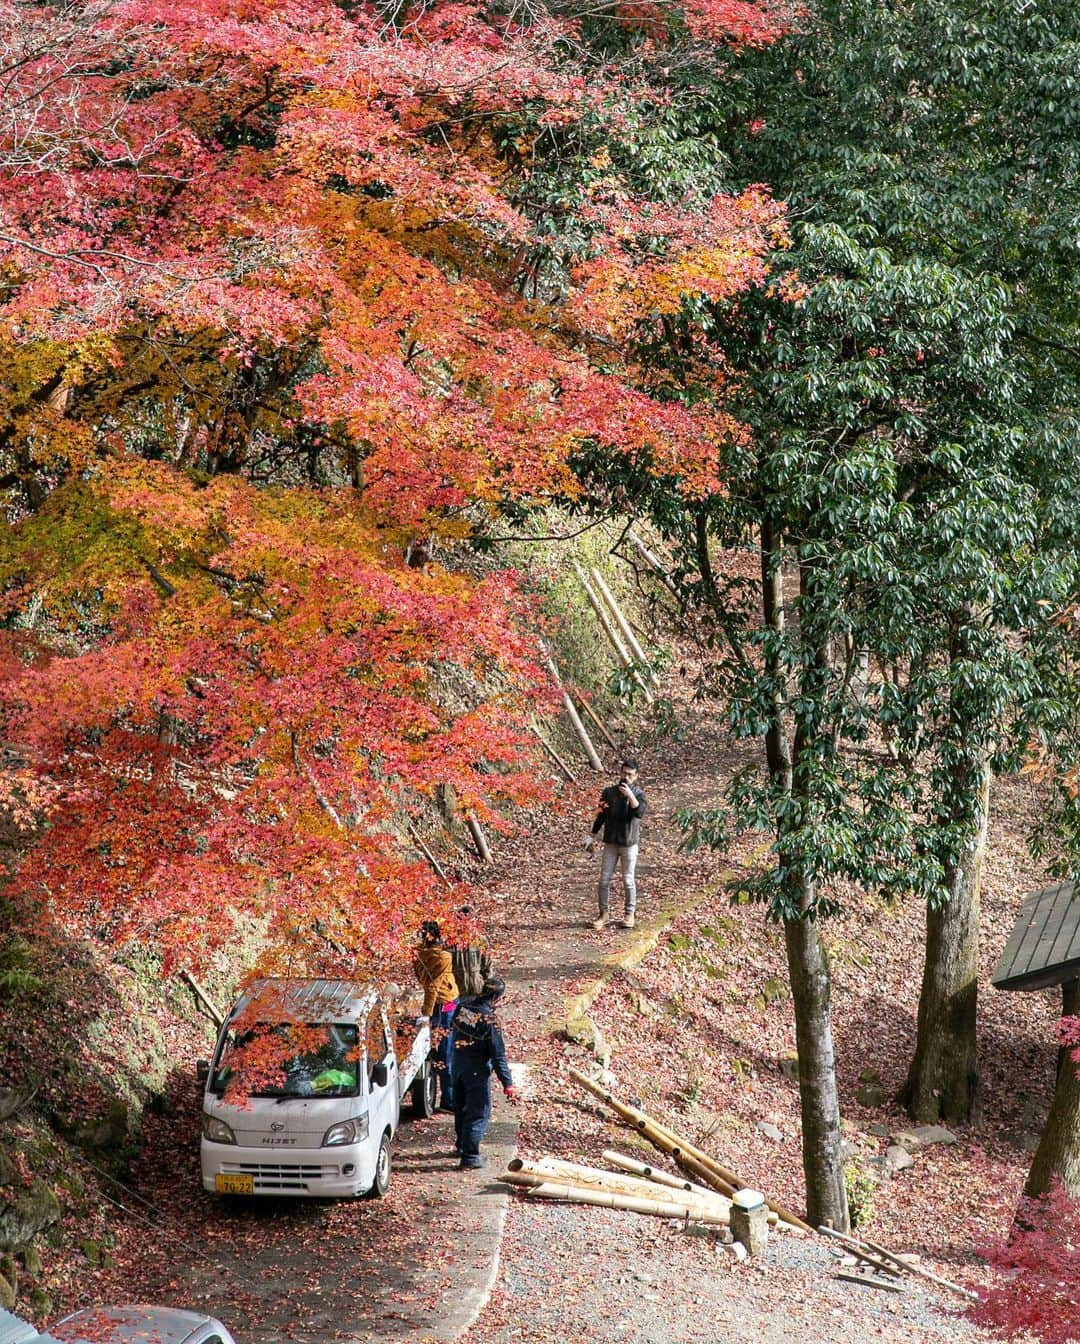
<point x="703" y="1157"/>
<point x="216" y="1015"/>
<point x="598" y="721"/>
<point x="888" y="1285"/>
<point x="478" y="839"/>
<point x="691" y="1159"/>
<point x="654" y="563"/>
<point x="553" y="753"/>
<point x="551" y="1168"/>
<point x="422" y="847"/>
<point x="575" y="719"/>
<point x="621" y="621"/>
<point x="640" y="1121"/>
<point x="622" y="656"/>
<point x="688" y="1208"/>
<point x="658" y="1208"/>
<point x="855" y="1248"/>
<point x="920" y="1273"/>
<point x="655" y="1174"/>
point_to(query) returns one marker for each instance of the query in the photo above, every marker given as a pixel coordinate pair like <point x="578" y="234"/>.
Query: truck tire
<point x="381" y="1183"/>
<point x="423" y="1092"/>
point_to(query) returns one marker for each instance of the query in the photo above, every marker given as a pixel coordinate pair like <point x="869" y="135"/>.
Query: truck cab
<point x="304" y="1092"/>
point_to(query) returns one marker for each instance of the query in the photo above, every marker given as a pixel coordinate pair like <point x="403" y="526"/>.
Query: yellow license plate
<point x="234" y="1183"/>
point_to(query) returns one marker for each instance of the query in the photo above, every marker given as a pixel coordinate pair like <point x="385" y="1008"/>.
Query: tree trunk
<point x="823" y="1163"/>
<point x="1058" y="1153"/>
<point x="943" y="1080"/>
<point x="808" y="966"/>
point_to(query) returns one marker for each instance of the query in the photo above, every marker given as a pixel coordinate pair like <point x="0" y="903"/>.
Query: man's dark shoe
<point x="446" y="1106"/>
<point x="472" y="1163"/>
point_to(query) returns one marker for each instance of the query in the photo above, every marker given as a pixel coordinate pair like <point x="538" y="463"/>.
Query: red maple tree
<point x="266" y="331"/>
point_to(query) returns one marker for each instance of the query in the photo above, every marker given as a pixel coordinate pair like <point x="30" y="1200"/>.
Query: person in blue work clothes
<point x="477" y="1051"/>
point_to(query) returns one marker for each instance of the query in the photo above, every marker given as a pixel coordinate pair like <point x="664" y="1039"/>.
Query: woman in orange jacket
<point x="433" y="966"/>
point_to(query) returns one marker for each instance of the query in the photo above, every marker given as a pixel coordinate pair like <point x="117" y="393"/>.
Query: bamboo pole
<point x="640" y="1121"/>
<point x="703" y="1157"/>
<point x="653" y="562"/>
<point x="658" y="1208"/>
<point x="217" y="1016"/>
<point x="655" y="1174"/>
<point x="690" y="1158"/>
<point x="598" y="721"/>
<point x="553" y="753"/>
<point x="889" y="1285"/>
<point x="548" y="1168"/>
<point x="478" y="838"/>
<point x="422" y="847"/>
<point x="574" y="717"/>
<point x="622" y="657"/>
<point x="621" y="621"/>
<point x="530" y="1181"/>
<point x="854" y="1247"/>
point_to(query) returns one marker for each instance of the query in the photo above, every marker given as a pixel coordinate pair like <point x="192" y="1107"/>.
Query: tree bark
<point x="808" y="966"/>
<point x="943" y="1080"/>
<point x="823" y="1163"/>
<point x="1058" y="1153"/>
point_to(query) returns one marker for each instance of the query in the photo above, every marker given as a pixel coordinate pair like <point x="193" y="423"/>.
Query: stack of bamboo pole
<point x="691" y="1159"/>
<point x="571" y="1182"/>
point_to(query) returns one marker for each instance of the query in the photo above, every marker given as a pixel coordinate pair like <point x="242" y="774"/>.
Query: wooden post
<point x="622" y="622"/>
<point x="478" y="838"/>
<point x="598" y="721"/>
<point x="622" y="657"/>
<point x="653" y="562"/>
<point x="208" y="1003"/>
<point x="436" y="865"/>
<point x="572" y="714"/>
<point x="553" y="754"/>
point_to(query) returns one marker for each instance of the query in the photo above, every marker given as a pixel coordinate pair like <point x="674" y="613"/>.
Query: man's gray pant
<point x="625" y="856"/>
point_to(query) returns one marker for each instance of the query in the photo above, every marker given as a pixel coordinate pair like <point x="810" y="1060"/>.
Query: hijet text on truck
<point x="304" y="1092"/>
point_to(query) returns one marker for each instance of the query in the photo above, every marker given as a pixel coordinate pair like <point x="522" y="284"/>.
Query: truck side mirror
<point x="202" y="1070"/>
<point x="380" y="1075"/>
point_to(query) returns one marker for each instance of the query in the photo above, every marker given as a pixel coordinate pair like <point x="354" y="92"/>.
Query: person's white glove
<point x="589" y="844"/>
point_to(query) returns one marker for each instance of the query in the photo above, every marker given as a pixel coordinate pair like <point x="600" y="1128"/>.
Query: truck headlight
<point x="217" y="1131"/>
<point x="346" y="1131"/>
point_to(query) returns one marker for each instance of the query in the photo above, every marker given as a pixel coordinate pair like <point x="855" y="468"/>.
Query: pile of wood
<point x="701" y="1192"/>
<point x="632" y="1185"/>
<point x="696" y="1163"/>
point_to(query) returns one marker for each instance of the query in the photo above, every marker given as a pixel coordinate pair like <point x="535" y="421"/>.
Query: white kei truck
<point x="317" y="1122"/>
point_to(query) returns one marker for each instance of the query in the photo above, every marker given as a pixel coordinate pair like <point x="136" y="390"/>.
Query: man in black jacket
<point x="622" y="807"/>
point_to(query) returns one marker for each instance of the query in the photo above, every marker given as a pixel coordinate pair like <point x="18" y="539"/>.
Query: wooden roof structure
<point x="1044" y="946"/>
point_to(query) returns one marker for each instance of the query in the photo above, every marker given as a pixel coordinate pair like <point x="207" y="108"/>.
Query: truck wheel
<point x="381" y="1183"/>
<point x="424" y="1093"/>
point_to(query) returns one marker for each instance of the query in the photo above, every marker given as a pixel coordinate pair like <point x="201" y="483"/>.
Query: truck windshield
<point x="289" y="1060"/>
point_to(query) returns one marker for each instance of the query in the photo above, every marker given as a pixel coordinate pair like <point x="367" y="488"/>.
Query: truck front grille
<point x="282" y="1177"/>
